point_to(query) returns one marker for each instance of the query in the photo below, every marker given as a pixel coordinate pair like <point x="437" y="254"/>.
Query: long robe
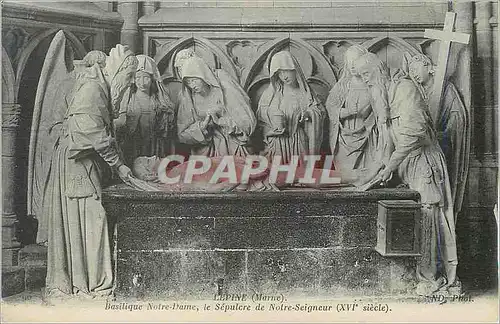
<point x="421" y="164"/>
<point x="353" y="142"/>
<point x="79" y="252"/>
<point x="146" y="131"/>
<point x="232" y="129"/>
<point x="453" y="132"/>
<point x="280" y="109"/>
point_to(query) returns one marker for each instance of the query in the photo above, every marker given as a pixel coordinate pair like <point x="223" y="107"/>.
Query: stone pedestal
<point x="10" y="123"/>
<point x="299" y="243"/>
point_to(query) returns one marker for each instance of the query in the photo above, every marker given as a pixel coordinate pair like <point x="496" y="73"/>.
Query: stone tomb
<point x="295" y="242"/>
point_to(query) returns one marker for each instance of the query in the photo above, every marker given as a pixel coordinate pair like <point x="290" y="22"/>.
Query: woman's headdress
<point x="120" y="57"/>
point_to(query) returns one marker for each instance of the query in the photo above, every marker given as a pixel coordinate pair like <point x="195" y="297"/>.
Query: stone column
<point x="462" y="78"/>
<point x="10" y="123"/>
<point x="130" y="29"/>
<point x="149" y="8"/>
<point x="484" y="75"/>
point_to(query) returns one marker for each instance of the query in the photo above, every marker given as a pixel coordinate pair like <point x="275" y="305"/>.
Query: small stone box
<point x="398" y="228"/>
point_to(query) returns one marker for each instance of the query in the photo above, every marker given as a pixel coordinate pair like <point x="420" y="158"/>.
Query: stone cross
<point x="446" y="36"/>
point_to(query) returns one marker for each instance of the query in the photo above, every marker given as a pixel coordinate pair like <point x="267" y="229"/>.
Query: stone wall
<point x="298" y="243"/>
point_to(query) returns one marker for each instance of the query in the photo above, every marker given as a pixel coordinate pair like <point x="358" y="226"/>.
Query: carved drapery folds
<point x="247" y="60"/>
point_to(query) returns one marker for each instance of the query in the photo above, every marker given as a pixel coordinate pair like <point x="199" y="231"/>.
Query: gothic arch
<point x="260" y="67"/>
<point x="315" y="65"/>
<point x="376" y="44"/>
<point x="35" y="41"/>
<point x="8" y="79"/>
<point x="165" y="57"/>
<point x="391" y="50"/>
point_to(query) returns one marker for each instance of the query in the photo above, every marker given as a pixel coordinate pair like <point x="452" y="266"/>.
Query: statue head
<point x="198" y="76"/>
<point x="372" y="70"/>
<point x="283" y="68"/>
<point x="181" y="57"/>
<point x="121" y="65"/>
<point x="197" y="85"/>
<point x="351" y="55"/>
<point x="143" y="81"/>
<point x="147" y="74"/>
<point x="146" y="168"/>
<point x="95" y="57"/>
<point x="420" y="68"/>
<point x="288" y="77"/>
<point x="91" y="59"/>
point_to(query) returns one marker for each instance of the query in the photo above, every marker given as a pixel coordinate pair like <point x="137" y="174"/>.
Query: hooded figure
<point x="145" y="121"/>
<point x="453" y="127"/>
<point x="420" y="163"/>
<point x="180" y="59"/>
<point x="75" y="226"/>
<point x="289" y="113"/>
<point x="355" y="126"/>
<point x="214" y="115"/>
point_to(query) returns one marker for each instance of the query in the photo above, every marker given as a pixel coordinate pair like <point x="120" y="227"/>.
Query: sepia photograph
<point x="258" y="161"/>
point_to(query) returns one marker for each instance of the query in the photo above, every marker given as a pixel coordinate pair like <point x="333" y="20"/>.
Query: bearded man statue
<point x="420" y="163"/>
<point x="79" y="252"/>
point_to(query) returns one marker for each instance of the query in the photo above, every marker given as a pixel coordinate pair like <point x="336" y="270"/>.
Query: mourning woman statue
<point x="146" y="115"/>
<point x="355" y="139"/>
<point x="453" y="127"/>
<point x="214" y="115"/>
<point x="420" y="163"/>
<point x="290" y="115"/>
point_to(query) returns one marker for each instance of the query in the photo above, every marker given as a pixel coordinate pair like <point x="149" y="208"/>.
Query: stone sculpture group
<point x="116" y="115"/>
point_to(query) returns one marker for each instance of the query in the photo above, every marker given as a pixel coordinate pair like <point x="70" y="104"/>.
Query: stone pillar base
<point x="13" y="280"/>
<point x="10" y="246"/>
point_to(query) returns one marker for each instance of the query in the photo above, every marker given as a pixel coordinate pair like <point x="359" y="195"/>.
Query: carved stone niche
<point x="334" y="50"/>
<point x="315" y="66"/>
<point x="211" y="53"/>
<point x="243" y="54"/>
<point x="390" y="50"/>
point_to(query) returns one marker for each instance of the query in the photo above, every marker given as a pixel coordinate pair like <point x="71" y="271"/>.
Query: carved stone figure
<point x="79" y="252"/>
<point x="146" y="119"/>
<point x="180" y="59"/>
<point x="146" y="169"/>
<point x="356" y="138"/>
<point x="420" y="163"/>
<point x="453" y="127"/>
<point x="289" y="113"/>
<point x="214" y="114"/>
